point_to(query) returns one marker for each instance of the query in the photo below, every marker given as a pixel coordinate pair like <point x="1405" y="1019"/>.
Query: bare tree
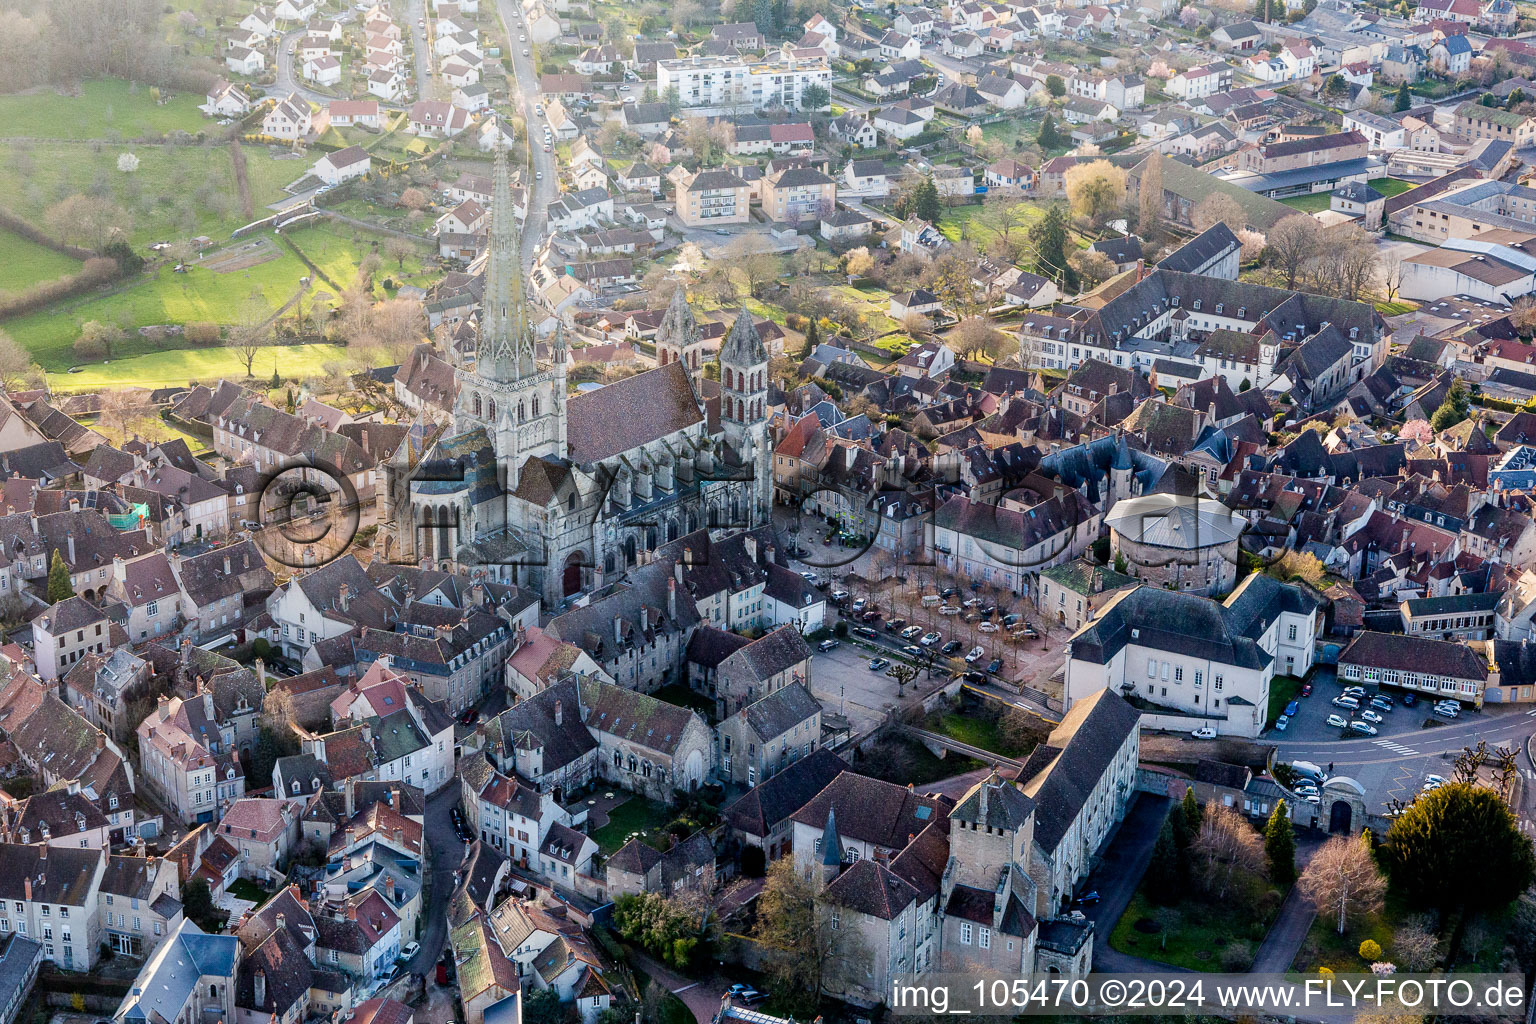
<point x="88" y="221"/>
<point x="1342" y="878"/>
<point x="1091" y="265"/>
<point x="1226" y="845"/>
<point x="252" y="331"/>
<point x="397" y="326"/>
<point x="804" y="936"/>
<point x="744" y="255"/>
<point x="976" y="336"/>
<point x="17" y="370"/>
<point x="1217" y="208"/>
<point x="1415" y="946"/>
<point x="1293" y="242"/>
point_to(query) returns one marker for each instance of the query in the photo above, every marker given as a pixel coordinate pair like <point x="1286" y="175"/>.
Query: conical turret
<point x="831" y="848"/>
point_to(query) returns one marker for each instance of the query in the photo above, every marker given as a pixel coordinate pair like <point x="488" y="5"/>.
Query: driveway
<point x="1288" y="932"/>
<point x="1116" y="878"/>
<point x="701" y="997"/>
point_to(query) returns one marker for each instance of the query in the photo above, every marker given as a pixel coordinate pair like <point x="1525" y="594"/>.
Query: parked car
<point x="1381" y="703"/>
<point x="912" y="651"/>
<point x="865" y="632"/>
<point x="910" y="632"/>
<point x="1282" y="722"/>
<point x="1306" y="689"/>
<point x="974" y="655"/>
<point x="1205" y="732"/>
<point x="409" y="950"/>
<point x="951" y="647"/>
<point x="929" y="639"/>
<point x="1354" y="691"/>
<point x="995" y="665"/>
<point x="1344" y="701"/>
<point x="894" y="625"/>
<point x="1087" y="899"/>
<point x="1292" y="708"/>
<point x="826" y="645"/>
<point x="988" y="627"/>
<point x="809" y="577"/>
<point x="971" y="602"/>
<point x="1338" y="721"/>
<point x="948" y="592"/>
<point x="949" y="609"/>
<point x="1011" y="619"/>
<point x="838" y="596"/>
<point x="1364" y="728"/>
<point x="1447" y="711"/>
<point x="1409" y="700"/>
<point x="975" y="677"/>
<point x="1372" y="716"/>
<point x="879" y="664"/>
<point x="857" y="605"/>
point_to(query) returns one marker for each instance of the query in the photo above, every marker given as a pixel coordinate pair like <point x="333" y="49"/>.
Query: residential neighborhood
<point x="564" y="510"/>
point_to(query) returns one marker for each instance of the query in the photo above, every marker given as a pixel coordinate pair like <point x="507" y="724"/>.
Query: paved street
<point x="287" y="81"/>
<point x="446" y="852"/>
<point x="541" y="190"/>
<point x="421" y="52"/>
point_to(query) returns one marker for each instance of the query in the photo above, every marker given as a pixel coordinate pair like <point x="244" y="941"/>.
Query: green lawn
<point x="1390" y="187"/>
<point x="23" y="263"/>
<point x="1193" y="934"/>
<point x="978" y="730"/>
<point x="245" y="889"/>
<point x="1313" y="202"/>
<point x="105" y="109"/>
<point x="204" y="365"/>
<point x="967" y="222"/>
<point x="200" y="294"/>
<point x="636" y="814"/>
<point x="1282" y="690"/>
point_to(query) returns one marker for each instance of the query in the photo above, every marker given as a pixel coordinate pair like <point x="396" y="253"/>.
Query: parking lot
<point x="1412" y="743"/>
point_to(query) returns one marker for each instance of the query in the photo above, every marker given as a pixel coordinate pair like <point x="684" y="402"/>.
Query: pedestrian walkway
<point x="1289" y="931"/>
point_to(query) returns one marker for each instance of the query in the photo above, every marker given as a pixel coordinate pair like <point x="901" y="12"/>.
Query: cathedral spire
<point x="506" y="343"/>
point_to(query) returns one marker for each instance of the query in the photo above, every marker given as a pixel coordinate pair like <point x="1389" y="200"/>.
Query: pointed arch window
<point x="477" y="405"/>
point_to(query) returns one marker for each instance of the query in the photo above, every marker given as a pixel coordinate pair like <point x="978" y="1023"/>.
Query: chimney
<point x="101" y="741"/>
<point x="645" y="618"/>
<point x="74" y="504"/>
<point x="260" y="984"/>
<point x="69" y="544"/>
<point x="282" y="920"/>
<point x="343" y="596"/>
<point x="559" y="714"/>
<point x="26" y="887"/>
<point x="186" y="653"/>
<point x="672" y="599"/>
<point x="768" y="554"/>
<point x="677" y="572"/>
<point x="226" y="565"/>
<point x="351" y="911"/>
<point x="389" y="888"/>
<point x="751" y="545"/>
<point x="618" y="629"/>
<point x="394" y="797"/>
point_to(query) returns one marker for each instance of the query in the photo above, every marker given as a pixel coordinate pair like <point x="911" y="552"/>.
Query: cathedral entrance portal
<point x="571" y="580"/>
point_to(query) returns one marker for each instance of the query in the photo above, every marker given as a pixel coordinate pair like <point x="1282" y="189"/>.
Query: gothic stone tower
<point x="520" y="407"/>
<point x="744" y="407"/>
<point x="679" y="339"/>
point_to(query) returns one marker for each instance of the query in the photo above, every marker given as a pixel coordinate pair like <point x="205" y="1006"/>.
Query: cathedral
<point x="562" y="495"/>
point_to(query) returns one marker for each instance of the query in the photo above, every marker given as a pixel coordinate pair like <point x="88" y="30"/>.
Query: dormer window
<point x="1219" y="305"/>
<point x="1197" y="305"/>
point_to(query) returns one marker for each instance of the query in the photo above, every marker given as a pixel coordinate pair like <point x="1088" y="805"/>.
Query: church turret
<point x="744" y="408"/>
<point x="831" y="848"/>
<point x="679" y="340"/>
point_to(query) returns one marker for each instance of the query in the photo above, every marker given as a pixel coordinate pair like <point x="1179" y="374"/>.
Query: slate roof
<point x="1414" y="655"/>
<point x="872" y="811"/>
<point x="781" y="711"/>
<point x="1061" y="774"/>
<point x="872" y="889"/>
<point x="631" y="412"/>
<point x="762" y="807"/>
<point x="167" y="981"/>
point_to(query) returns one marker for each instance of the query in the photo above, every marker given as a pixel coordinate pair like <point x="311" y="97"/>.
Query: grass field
<point x="24" y="263"/>
<point x="1313" y="202"/>
<point x="201" y="294"/>
<point x="1194" y="934"/>
<point x="967" y="223"/>
<point x="105" y="109"/>
<point x="204" y="365"/>
<point x="978" y="731"/>
<point x="177" y="191"/>
<point x="1390" y="187"/>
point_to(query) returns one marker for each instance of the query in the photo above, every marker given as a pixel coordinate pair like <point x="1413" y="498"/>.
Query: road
<point x="421" y="51"/>
<point x="288" y="82"/>
<point x="525" y="92"/>
<point x="446" y="853"/>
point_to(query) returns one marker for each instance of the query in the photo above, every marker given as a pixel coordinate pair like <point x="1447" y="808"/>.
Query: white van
<point x="929" y="600"/>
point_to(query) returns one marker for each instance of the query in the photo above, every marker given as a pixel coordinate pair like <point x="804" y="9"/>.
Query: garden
<point x="103" y="109"/>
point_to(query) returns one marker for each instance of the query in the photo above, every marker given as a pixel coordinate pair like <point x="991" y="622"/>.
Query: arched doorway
<point x="1340" y="817"/>
<point x="570" y="581"/>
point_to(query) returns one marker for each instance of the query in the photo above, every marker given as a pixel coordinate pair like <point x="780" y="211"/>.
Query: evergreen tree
<point x="1048" y="138"/>
<point x="277" y="381"/>
<point x="1280" y="846"/>
<point x="1165" y="870"/>
<point x="762" y="16"/>
<point x="1404" y="98"/>
<point x="925" y="201"/>
<point x="1515" y="98"/>
<point x="1453" y="410"/>
<point x="811" y="340"/>
<point x="1048" y="236"/>
<point x="59" y="586"/>
<point x="1488" y="99"/>
<point x="1179" y="827"/>
<point x="1191" y="812"/>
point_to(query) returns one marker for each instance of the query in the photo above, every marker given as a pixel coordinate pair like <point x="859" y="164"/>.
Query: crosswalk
<point x="1396" y="748"/>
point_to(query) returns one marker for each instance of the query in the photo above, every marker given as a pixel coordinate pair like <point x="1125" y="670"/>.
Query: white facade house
<point x="1199" y="662"/>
